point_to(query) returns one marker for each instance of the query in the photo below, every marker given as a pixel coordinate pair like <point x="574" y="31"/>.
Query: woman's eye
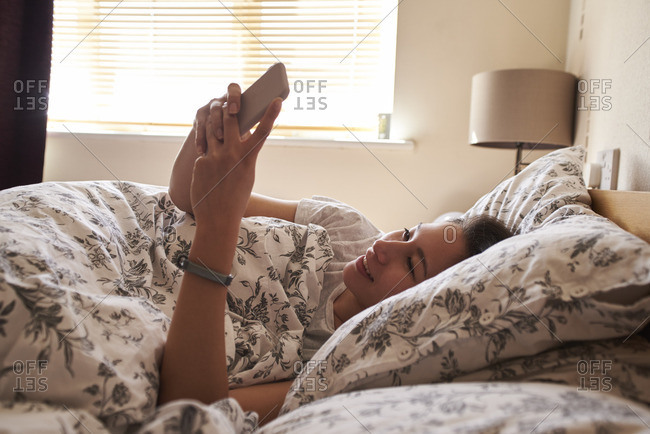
<point x="407" y="235"/>
<point x="409" y="263"/>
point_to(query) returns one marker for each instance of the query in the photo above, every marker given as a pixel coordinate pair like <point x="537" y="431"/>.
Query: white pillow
<point x="549" y="187"/>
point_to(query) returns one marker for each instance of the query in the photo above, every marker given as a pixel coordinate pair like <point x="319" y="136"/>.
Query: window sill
<point x="393" y="145"/>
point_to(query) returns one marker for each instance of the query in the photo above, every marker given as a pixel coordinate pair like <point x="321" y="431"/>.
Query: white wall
<point x="609" y="45"/>
<point x="441" y="44"/>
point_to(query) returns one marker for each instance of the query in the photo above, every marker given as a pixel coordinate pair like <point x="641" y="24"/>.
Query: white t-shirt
<point x="351" y="234"/>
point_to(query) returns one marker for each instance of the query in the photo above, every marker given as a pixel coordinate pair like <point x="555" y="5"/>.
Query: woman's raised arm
<point x="194" y="359"/>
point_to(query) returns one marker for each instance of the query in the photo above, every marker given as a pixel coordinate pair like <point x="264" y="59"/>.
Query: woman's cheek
<point x="397" y="284"/>
<point x="348" y="274"/>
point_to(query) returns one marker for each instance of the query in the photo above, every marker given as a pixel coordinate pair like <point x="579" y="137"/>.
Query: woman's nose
<point x="385" y="250"/>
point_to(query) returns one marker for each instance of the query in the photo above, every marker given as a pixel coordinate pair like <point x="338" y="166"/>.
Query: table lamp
<point x="522" y="109"/>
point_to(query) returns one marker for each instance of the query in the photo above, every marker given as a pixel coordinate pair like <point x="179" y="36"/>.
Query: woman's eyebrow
<point x="424" y="261"/>
<point x="421" y="253"/>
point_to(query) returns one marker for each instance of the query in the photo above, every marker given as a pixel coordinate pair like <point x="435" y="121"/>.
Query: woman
<point x="212" y="178"/>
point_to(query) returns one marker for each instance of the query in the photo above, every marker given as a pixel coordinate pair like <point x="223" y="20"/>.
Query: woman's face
<point x="402" y="259"/>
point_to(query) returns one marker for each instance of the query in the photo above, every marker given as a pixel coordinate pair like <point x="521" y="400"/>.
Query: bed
<point x="545" y="332"/>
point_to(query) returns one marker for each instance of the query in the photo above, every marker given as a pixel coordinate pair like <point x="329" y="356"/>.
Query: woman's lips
<point x="362" y="269"/>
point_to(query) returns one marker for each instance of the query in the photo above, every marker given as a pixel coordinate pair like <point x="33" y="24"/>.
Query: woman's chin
<point x="356" y="284"/>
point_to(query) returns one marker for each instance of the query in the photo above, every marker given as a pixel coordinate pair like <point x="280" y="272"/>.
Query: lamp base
<point x="518" y="163"/>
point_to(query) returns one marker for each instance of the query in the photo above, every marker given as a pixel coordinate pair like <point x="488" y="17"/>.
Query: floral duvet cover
<point x="88" y="283"/>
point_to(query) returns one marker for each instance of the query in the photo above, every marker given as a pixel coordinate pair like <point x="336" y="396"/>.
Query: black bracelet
<point x="185" y="264"/>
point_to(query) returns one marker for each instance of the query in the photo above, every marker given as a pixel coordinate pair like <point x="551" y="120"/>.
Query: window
<point x="145" y="67"/>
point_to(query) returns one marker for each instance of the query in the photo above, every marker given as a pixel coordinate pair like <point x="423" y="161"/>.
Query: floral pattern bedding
<point x="88" y="282"/>
<point x="87" y="289"/>
<point x="535" y="292"/>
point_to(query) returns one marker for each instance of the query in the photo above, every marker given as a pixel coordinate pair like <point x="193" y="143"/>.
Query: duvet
<point x="88" y="283"/>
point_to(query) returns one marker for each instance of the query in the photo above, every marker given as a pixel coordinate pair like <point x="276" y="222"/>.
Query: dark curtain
<point x="25" y="54"/>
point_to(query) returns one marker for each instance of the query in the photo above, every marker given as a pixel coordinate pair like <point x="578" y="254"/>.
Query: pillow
<point x="529" y="293"/>
<point x="549" y="187"/>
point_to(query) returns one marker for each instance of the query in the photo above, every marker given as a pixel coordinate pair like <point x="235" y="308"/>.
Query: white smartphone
<point x="259" y="95"/>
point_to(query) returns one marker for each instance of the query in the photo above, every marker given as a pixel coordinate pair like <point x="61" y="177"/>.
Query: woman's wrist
<point x="214" y="247"/>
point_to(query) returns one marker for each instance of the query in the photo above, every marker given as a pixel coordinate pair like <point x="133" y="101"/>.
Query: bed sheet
<point x="494" y="407"/>
<point x="468" y="408"/>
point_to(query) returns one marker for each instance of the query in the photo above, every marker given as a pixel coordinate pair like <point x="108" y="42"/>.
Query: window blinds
<point x="136" y="66"/>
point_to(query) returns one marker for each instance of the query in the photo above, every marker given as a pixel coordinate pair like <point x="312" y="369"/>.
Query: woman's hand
<point x="213" y="110"/>
<point x="194" y="146"/>
<point x="224" y="174"/>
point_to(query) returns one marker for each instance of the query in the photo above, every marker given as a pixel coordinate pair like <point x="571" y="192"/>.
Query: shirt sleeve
<point x="350" y="232"/>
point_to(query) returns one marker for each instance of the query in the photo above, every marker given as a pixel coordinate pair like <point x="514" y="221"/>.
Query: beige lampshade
<point x="533" y="107"/>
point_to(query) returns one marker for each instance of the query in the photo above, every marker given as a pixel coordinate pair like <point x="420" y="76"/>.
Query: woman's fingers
<point x="230" y="127"/>
<point x="211" y="137"/>
<point x="200" y="121"/>
<point x="231" y="134"/>
<point x="233" y="102"/>
<point x="215" y="111"/>
<point x="216" y="115"/>
<point x="199" y="130"/>
<point x="230" y="110"/>
<point x="266" y="123"/>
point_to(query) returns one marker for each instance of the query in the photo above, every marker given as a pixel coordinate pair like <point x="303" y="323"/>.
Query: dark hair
<point x="481" y="232"/>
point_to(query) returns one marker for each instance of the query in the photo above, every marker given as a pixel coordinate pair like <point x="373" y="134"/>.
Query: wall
<point x="609" y="45"/>
<point x="440" y="45"/>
